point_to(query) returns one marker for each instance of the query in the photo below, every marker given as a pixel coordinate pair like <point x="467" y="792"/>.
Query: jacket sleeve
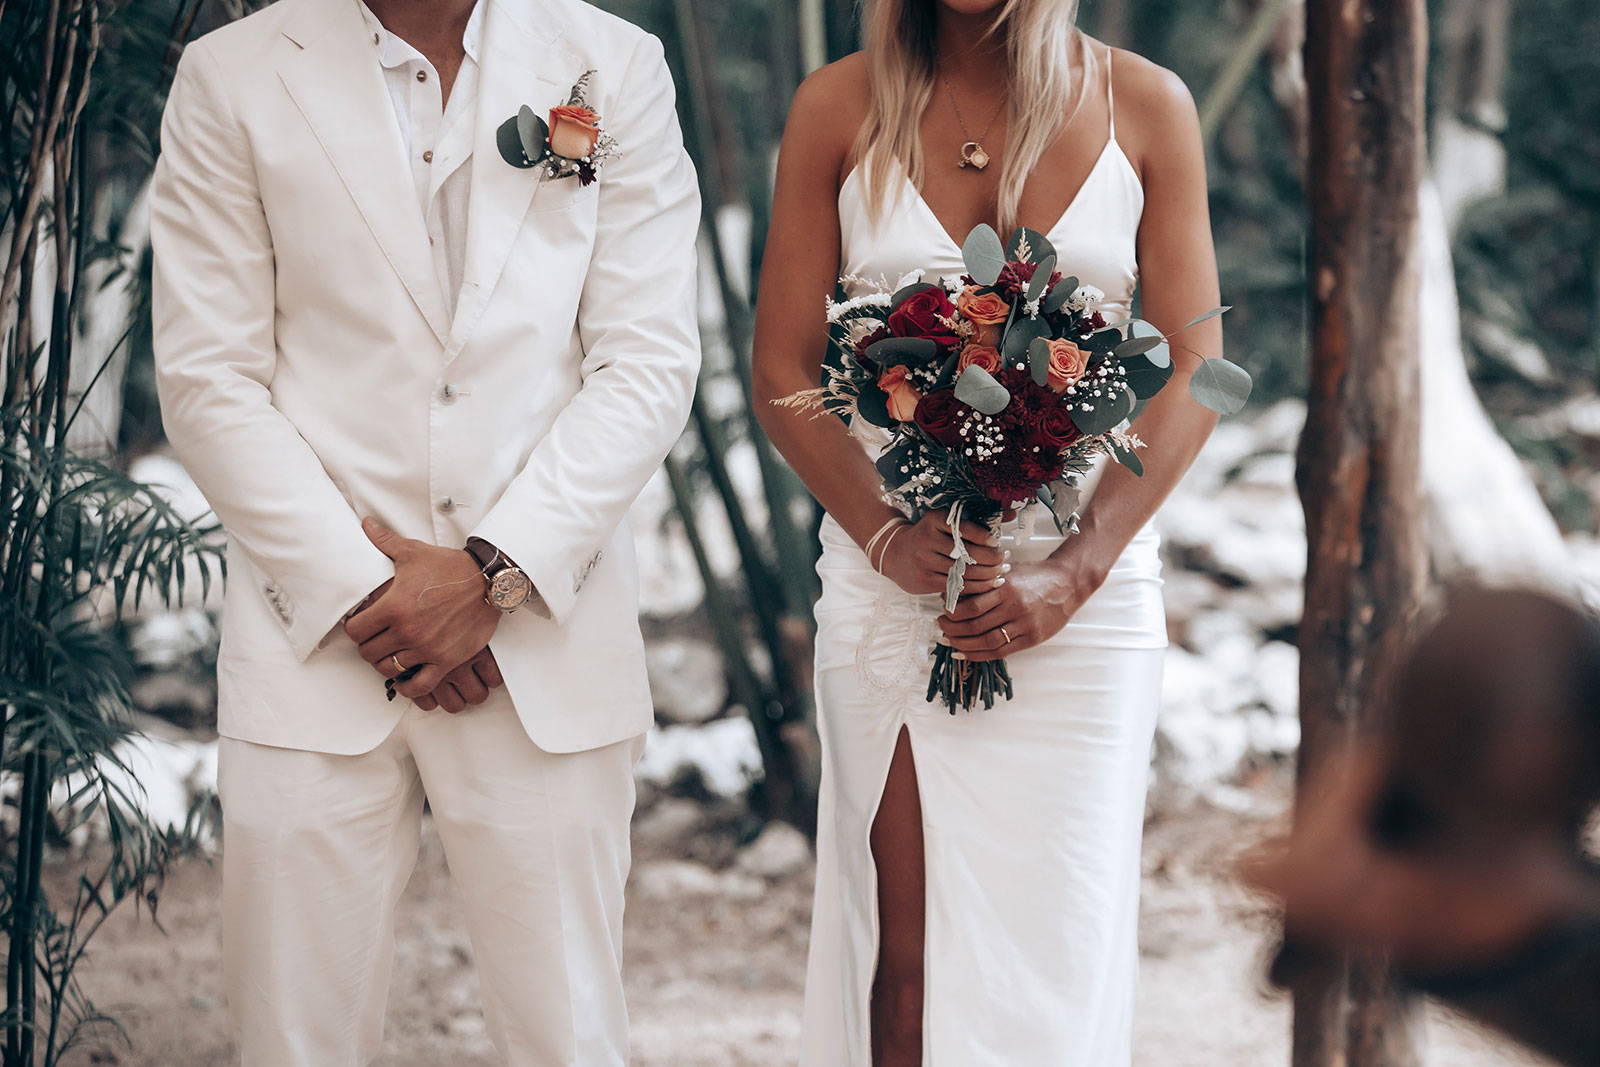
<point x="214" y="304"/>
<point x="639" y="330"/>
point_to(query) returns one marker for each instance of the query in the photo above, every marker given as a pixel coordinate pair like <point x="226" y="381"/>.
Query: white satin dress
<point x="1032" y="811"/>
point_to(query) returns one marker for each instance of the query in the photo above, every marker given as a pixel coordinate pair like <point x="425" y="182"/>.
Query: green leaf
<point x="1058" y="296"/>
<point x="1107" y="414"/>
<point x="1221" y="386"/>
<point x="509" y="141"/>
<point x="1213" y="313"/>
<point x="1128" y="458"/>
<point x="533" y="133"/>
<point x="873" y="405"/>
<point x="1041" y="277"/>
<point x="1039" y="246"/>
<point x="1161" y="354"/>
<point x="982" y="254"/>
<point x="947" y="373"/>
<point x="1137" y="346"/>
<point x="908" y="292"/>
<point x="1039" y="360"/>
<point x="977" y="389"/>
<point x="1020" y="337"/>
<point x="907" y="351"/>
<point x="898" y="454"/>
<point x="1145" y="377"/>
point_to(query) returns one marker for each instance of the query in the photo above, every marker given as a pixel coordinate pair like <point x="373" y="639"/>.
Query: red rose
<point x="870" y="339"/>
<point x="940" y="415"/>
<point x="1055" y="427"/>
<point x="926" y="314"/>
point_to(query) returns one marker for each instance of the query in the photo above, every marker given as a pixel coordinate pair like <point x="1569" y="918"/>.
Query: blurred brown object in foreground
<point x="1452" y="842"/>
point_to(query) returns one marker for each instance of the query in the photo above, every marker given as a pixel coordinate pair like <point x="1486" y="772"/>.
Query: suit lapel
<point x="523" y="63"/>
<point x="337" y="84"/>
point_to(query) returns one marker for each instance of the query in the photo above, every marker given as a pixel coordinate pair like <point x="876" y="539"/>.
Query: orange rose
<point x="985" y="309"/>
<point x="903" y="398"/>
<point x="574" y="131"/>
<point x="1067" y="364"/>
<point x="985" y="356"/>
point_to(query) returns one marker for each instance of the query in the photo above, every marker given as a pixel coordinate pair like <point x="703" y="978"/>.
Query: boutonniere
<point x="570" y="144"/>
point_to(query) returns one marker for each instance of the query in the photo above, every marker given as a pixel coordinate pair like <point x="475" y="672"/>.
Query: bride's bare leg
<point x="897" y="851"/>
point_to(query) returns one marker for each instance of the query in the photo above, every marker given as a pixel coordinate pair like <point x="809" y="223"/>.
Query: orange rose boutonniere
<point x="570" y="144"/>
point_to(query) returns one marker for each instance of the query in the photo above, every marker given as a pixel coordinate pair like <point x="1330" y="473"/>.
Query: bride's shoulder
<point x="1147" y="94"/>
<point x="1154" y="109"/>
<point x="828" y="109"/>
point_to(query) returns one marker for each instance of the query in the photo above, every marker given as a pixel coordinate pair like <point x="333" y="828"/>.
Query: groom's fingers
<point x="422" y="683"/>
<point x="387" y="541"/>
<point x="488" y="670"/>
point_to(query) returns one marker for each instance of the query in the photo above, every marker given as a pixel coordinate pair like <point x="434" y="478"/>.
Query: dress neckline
<point x="944" y="231"/>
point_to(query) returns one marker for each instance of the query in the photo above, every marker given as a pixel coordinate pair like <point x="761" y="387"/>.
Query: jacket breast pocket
<point x="561" y="194"/>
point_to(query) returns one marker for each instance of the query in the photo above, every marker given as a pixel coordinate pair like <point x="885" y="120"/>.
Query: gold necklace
<point x="972" y="151"/>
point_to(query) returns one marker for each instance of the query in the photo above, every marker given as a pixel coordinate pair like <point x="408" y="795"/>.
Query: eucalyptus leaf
<point x="1145" y="377"/>
<point x="873" y="405"/>
<point x="1041" y="277"/>
<point x="1039" y="245"/>
<point x="533" y="132"/>
<point x="1221" y="386"/>
<point x="1161" y="354"/>
<point x="947" y="373"/>
<point x="509" y="141"/>
<point x="1059" y="294"/>
<point x="1128" y="458"/>
<point x="1109" y="411"/>
<point x="1213" y="313"/>
<point x="1065" y="498"/>
<point x="898" y="454"/>
<point x="978" y="389"/>
<point x="907" y="351"/>
<point x="1137" y="346"/>
<point x="1020" y="337"/>
<point x="908" y="292"/>
<point x="982" y="254"/>
<point x="1039" y="360"/>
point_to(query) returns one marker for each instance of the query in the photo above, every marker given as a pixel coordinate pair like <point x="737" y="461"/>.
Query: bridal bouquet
<point x="998" y="390"/>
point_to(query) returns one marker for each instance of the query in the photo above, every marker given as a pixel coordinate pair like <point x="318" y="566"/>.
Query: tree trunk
<point x="1359" y="463"/>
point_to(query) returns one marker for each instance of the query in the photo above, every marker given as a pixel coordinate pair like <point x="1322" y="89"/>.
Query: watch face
<point x="509" y="589"/>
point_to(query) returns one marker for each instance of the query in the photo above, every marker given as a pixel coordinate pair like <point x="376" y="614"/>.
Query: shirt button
<point x="448" y="394"/>
<point x="427" y="157"/>
<point x="446" y="506"/>
<point x="422" y="75"/>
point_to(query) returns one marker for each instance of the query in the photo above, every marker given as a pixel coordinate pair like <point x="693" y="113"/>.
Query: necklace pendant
<point x="973" y="155"/>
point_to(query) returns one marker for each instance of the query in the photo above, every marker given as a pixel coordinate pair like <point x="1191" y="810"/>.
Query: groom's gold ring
<point x="395" y="659"/>
<point x="1005" y="634"/>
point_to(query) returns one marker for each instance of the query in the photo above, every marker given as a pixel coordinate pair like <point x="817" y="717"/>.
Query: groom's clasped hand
<point x="428" y="628"/>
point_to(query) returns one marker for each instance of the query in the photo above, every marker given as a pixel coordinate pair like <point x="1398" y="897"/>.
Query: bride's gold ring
<point x="1005" y="634"/>
<point x="395" y="659"/>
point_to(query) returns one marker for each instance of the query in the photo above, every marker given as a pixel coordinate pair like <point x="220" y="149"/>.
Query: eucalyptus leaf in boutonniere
<point x="569" y="144"/>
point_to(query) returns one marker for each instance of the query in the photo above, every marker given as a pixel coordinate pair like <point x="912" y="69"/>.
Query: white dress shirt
<point x="437" y="137"/>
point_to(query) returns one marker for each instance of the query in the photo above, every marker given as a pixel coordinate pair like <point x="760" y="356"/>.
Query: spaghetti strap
<point x="1111" y="94"/>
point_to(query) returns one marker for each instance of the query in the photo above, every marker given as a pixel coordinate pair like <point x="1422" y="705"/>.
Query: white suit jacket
<point x="310" y="373"/>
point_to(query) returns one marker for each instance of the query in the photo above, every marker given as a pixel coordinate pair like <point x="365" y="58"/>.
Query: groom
<point x="421" y="382"/>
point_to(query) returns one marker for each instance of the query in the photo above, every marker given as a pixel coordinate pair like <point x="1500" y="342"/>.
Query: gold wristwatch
<point x="506" y="586"/>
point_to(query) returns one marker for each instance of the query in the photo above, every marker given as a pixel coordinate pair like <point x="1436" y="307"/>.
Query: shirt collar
<point x="395" y="51"/>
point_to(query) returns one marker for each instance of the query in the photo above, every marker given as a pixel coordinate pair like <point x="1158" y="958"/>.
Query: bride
<point x="978" y="873"/>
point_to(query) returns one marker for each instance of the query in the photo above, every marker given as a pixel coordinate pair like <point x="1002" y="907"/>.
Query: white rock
<point x="162" y="777"/>
<point x="687" y="680"/>
<point x="780" y="851"/>
<point x="1278" y="680"/>
<point x="167" y="638"/>
<point x="724" y="752"/>
<point x="675" y="879"/>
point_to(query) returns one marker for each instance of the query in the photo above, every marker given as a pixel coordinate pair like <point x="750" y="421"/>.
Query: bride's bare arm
<point x="1178" y="281"/>
<point x="799" y="269"/>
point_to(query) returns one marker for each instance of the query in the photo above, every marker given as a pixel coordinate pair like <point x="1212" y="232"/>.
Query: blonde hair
<point x="1043" y="47"/>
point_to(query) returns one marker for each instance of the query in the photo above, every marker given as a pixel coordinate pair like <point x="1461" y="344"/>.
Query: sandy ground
<point x="715" y="978"/>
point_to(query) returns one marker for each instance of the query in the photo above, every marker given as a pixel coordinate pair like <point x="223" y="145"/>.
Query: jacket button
<point x="448" y="394"/>
<point x="447" y="505"/>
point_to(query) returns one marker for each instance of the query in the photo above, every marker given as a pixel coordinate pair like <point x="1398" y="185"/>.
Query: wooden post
<point x="1359" y="469"/>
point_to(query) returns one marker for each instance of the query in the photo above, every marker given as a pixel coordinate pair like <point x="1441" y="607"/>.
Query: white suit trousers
<point x="317" y="849"/>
